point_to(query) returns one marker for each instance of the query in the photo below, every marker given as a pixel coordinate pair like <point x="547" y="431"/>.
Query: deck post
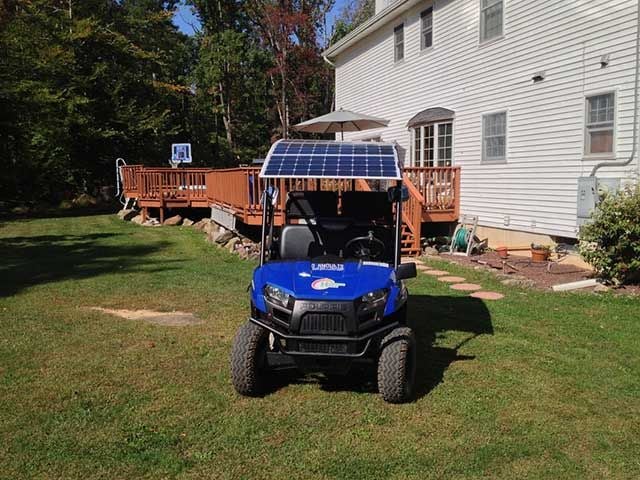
<point x="161" y="213"/>
<point x="144" y="214"/>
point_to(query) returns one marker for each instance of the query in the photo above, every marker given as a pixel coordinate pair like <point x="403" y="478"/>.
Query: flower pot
<point x="539" y="255"/>
<point x="503" y="252"/>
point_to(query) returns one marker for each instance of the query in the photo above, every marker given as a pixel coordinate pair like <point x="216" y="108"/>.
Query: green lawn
<point x="537" y="385"/>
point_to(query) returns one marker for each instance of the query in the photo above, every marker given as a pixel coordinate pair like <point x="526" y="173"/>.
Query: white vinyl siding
<point x="546" y="121"/>
<point x="426" y="29"/>
<point x="398" y="46"/>
<point x="599" y="126"/>
<point x="494" y="137"/>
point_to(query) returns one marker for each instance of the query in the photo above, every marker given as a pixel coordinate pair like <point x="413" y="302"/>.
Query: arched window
<point x="432" y="138"/>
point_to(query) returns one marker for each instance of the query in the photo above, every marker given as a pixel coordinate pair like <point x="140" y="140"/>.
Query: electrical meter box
<point x="587" y="198"/>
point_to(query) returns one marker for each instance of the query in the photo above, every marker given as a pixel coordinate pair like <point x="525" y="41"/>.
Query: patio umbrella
<point x="341" y="121"/>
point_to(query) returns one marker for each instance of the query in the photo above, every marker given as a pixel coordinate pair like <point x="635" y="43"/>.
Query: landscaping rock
<point x="151" y="222"/>
<point x="231" y="244"/>
<point x="200" y="225"/>
<point x="430" y="252"/>
<point x="600" y="288"/>
<point x="519" y="282"/>
<point x="222" y="236"/>
<point x="137" y="219"/>
<point x="210" y="228"/>
<point x="127" y="214"/>
<point x="187" y="222"/>
<point x="173" y="221"/>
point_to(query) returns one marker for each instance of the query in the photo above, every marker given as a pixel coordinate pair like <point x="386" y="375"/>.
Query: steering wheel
<point x="365" y="248"/>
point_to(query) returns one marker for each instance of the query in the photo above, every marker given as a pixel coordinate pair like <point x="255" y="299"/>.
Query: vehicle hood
<point x="309" y="280"/>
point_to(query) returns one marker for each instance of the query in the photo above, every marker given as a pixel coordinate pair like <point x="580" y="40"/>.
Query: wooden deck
<point x="434" y="193"/>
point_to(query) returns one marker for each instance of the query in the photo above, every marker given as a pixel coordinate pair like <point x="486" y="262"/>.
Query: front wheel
<point x="397" y="365"/>
<point x="249" y="359"/>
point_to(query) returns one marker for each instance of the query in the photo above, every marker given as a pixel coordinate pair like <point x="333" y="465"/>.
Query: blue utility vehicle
<point x="329" y="292"/>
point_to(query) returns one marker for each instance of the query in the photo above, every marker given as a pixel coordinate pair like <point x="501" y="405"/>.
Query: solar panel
<point x="329" y="159"/>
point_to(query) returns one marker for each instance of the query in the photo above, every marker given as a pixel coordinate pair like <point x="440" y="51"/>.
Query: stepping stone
<point x="422" y="266"/>
<point x="451" y="279"/>
<point x="436" y="273"/>
<point x="487" y="295"/>
<point x="466" y="287"/>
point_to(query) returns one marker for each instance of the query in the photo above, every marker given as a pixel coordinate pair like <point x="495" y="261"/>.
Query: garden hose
<point x="460" y="239"/>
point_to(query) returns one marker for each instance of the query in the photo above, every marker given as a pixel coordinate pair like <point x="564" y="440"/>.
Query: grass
<point x="537" y="385"/>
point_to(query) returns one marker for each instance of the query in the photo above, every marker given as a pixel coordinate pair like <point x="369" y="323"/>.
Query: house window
<point x="433" y="145"/>
<point x="599" y="127"/>
<point x="491" y="19"/>
<point x="398" y="43"/>
<point x="494" y="137"/>
<point x="426" y="28"/>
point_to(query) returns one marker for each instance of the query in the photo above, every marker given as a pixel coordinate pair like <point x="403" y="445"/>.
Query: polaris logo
<point x="323" y="307"/>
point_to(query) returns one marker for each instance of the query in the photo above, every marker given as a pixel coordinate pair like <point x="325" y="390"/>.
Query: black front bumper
<point x="365" y="338"/>
<point x="327" y="329"/>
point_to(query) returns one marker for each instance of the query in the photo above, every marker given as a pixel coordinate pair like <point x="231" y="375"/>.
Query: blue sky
<point x="185" y="20"/>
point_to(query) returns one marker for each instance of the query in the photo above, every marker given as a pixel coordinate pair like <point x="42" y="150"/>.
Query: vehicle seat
<point x="300" y="241"/>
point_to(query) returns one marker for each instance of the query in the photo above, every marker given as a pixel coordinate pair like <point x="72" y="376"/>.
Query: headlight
<point x="276" y="295"/>
<point x="374" y="299"/>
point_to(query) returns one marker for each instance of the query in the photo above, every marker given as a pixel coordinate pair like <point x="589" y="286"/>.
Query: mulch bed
<point x="519" y="268"/>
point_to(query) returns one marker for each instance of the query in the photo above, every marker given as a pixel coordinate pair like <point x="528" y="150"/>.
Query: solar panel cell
<point x="327" y="159"/>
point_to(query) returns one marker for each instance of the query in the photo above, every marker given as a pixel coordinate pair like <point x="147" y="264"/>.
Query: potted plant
<point x="540" y="253"/>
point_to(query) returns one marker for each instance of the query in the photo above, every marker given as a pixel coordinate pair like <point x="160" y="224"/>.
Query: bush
<point x="611" y="241"/>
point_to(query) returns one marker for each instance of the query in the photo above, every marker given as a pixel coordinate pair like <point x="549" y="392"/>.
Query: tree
<point x="288" y="31"/>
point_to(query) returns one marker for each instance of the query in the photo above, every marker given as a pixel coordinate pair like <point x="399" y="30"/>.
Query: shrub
<point x="611" y="241"/>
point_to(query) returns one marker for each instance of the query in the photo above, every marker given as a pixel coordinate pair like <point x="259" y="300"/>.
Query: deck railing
<point x="435" y="191"/>
<point x="439" y="187"/>
<point x="128" y="174"/>
<point x="240" y="189"/>
<point x="186" y="184"/>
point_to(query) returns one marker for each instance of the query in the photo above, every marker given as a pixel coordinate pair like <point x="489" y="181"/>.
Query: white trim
<point x="494" y="161"/>
<point x="487" y="41"/>
<point x="386" y="15"/>
<point x="607" y="155"/>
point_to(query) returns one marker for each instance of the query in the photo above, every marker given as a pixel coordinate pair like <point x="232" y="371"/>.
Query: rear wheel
<point x="249" y="359"/>
<point x="397" y="365"/>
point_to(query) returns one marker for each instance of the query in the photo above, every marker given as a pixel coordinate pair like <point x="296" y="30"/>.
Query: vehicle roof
<point x="332" y="159"/>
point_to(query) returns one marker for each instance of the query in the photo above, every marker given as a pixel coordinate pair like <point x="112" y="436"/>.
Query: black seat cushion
<point x="300" y="241"/>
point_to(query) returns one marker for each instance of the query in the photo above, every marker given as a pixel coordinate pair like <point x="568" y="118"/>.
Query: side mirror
<point x="397" y="194"/>
<point x="406" y="270"/>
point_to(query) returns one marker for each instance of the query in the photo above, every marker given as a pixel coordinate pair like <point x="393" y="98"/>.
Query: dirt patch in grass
<point x="170" y="319"/>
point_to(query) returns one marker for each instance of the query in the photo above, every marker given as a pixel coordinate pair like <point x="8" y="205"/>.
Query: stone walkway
<point x="457" y="283"/>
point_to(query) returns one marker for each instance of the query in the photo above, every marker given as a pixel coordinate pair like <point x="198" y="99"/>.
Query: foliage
<point x="82" y="83"/>
<point x="352" y="15"/>
<point x="610" y="242"/>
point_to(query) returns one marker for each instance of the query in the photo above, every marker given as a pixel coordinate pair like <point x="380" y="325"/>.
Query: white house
<point x="527" y="97"/>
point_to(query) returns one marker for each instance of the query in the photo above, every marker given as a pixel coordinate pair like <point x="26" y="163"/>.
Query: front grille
<point x="323" y="323"/>
<point x="313" y="347"/>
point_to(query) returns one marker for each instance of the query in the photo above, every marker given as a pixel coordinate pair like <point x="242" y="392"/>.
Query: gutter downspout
<point x="635" y="111"/>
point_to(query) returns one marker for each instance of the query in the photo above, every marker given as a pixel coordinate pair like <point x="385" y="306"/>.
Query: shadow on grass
<point x="432" y="318"/>
<point x="37" y="260"/>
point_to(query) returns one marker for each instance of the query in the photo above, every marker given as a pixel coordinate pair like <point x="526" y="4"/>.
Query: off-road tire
<point x="397" y="365"/>
<point x="248" y="359"/>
